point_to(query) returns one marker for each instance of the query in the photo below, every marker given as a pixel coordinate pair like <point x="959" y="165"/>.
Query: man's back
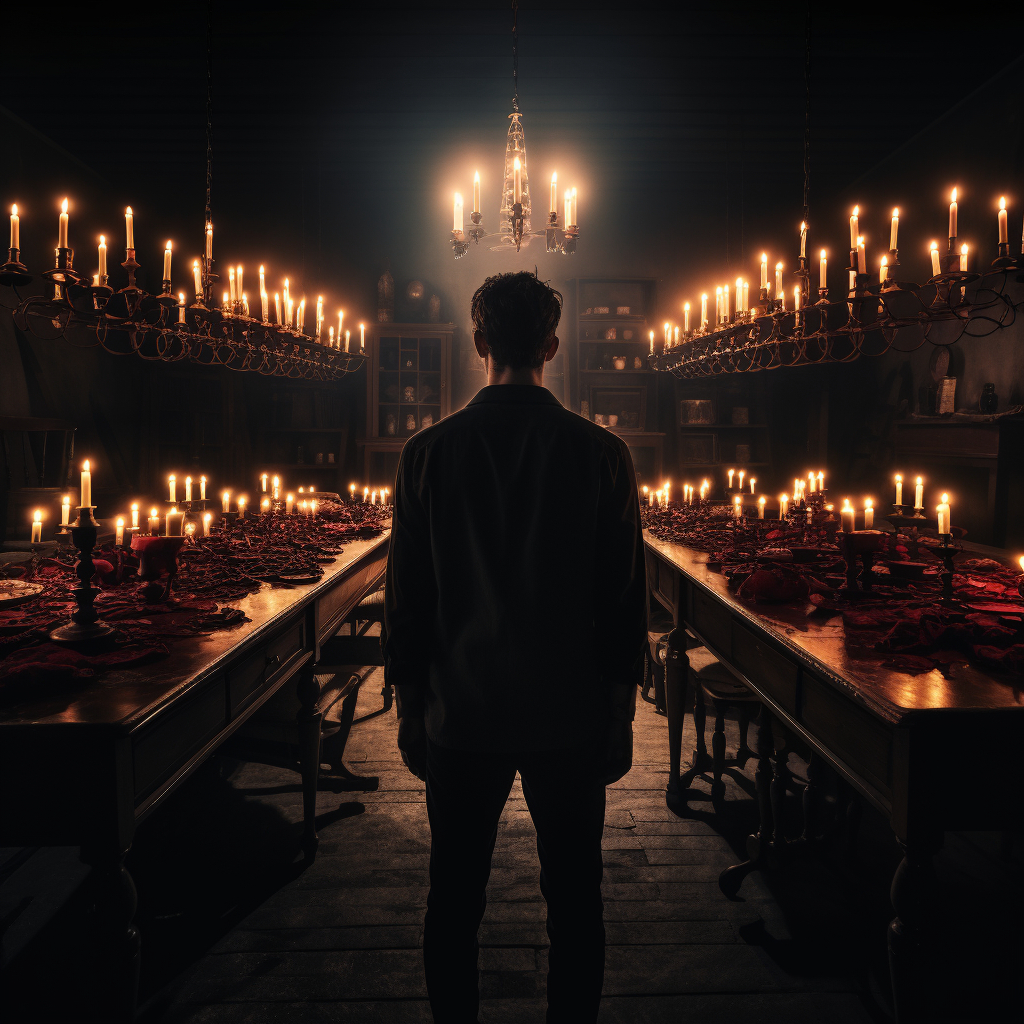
<point x="515" y="584"/>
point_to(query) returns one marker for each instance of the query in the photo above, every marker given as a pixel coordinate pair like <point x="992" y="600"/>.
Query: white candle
<point x="276" y="485"/>
<point x="517" y="181"/>
<point x="847" y="515"/>
<point x="718" y="305"/>
<point x="1003" y="236"/>
<point x="963" y="258"/>
<point x="231" y="283"/>
<point x="803" y="239"/>
<point x="16" y="228"/>
<point x="919" y="494"/>
<point x="289" y="503"/>
<point x="265" y="505"/>
<point x="171" y="487"/>
<point x="129" y="228"/>
<point x="823" y="271"/>
<point x="238" y="280"/>
<point x="764" y="271"/>
<point x="207" y="518"/>
<point x="362" y="337"/>
<point x="65" y="510"/>
<point x="277" y="308"/>
<point x="703" y="310"/>
<point x="341" y="322"/>
<point x="652" y="342"/>
<point x="942" y="510"/>
<point x="37" y="527"/>
<point x="458" y="222"/>
<point x="573" y="209"/>
<point x="373" y="497"/>
<point x="783" y="505"/>
<point x="202" y="488"/>
<point x="102" y="257"/>
<point x="568" y="207"/>
<point x="554" y="192"/>
<point x="746" y="296"/>
<point x="760" y="507"/>
<point x="225" y="501"/>
<point x="686" y="318"/>
<point x="869" y="514"/>
<point x="351" y="492"/>
<point x="366" y="494"/>
<point x="753" y="480"/>
<point x="862" y="256"/>
<point x="821" y="480"/>
<point x="263" y="483"/>
<point x="741" y="475"/>
<point x="135" y="515"/>
<point x="813" y="480"/>
<point x="167" y="261"/>
<point x="883" y="270"/>
<point x="181" y="307"/>
<point x="778" y="279"/>
<point x="154" y="523"/>
<point x="476" y="192"/>
<point x="119" y="531"/>
<point x="348" y="335"/>
<point x="85" y="501"/>
<point x="854" y="227"/>
<point x="240" y="504"/>
<point x="319" y="316"/>
<point x="188" y="488"/>
<point x="731" y="473"/>
<point x="197" y="275"/>
<point x="737" y="506"/>
<point x="899" y="489"/>
<point x="894" y="229"/>
<point x="952" y="214"/>
<point x="936" y="267"/>
<point x="62" y="226"/>
<point x="173" y="522"/>
<point x="209" y="242"/>
<point x="797" y="300"/>
<point x="739" y="294"/>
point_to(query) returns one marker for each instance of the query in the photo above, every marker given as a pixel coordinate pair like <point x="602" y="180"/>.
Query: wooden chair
<point x="369" y="611"/>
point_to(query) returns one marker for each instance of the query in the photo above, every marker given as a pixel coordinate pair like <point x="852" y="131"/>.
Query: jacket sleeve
<point x="410" y="588"/>
<point x="621" y="598"/>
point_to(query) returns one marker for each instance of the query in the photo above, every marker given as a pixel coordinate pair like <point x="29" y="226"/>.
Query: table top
<point x="819" y="643"/>
<point x="124" y="698"/>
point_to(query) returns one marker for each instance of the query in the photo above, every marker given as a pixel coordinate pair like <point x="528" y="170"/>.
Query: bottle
<point x="989" y="401"/>
<point x="386" y="296"/>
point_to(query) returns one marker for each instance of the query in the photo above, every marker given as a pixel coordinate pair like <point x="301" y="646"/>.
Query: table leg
<point x="309" y="719"/>
<point x="779" y="786"/>
<point x="911" y="888"/>
<point x="731" y="878"/>
<point x="701" y="759"/>
<point x="677" y="668"/>
<point x="811" y="797"/>
<point x="116" y="957"/>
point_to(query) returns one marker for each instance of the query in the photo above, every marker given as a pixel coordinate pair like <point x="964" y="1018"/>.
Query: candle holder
<point x="518" y="221"/>
<point x="945" y="552"/>
<point x="158" y="558"/>
<point x="860" y="545"/>
<point x="14" y="272"/>
<point x="459" y="244"/>
<point x="85" y="624"/>
<point x="63" y="272"/>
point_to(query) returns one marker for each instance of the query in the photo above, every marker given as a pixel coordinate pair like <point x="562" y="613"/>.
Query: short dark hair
<point x="518" y="315"/>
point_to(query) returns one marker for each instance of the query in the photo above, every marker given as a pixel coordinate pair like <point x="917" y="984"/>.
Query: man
<point x="515" y="632"/>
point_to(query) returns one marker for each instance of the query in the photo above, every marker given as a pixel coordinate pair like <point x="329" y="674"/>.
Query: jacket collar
<point x="520" y="394"/>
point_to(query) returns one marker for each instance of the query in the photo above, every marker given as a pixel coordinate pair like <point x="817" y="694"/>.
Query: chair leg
<point x="701" y="760"/>
<point x="718" y="752"/>
<point x="339" y="770"/>
<point x="743" y="752"/>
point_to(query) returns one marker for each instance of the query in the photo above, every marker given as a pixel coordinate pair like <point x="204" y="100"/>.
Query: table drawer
<point x="765" y="667"/>
<point x="857" y="738"/>
<point x="168" y="743"/>
<point x="252" y="676"/>
<point x="713" y="622"/>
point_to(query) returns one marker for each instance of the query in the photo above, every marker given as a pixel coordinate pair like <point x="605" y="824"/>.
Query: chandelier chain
<point x="209" y="109"/>
<point x="515" y="55"/>
<point x="807" y="115"/>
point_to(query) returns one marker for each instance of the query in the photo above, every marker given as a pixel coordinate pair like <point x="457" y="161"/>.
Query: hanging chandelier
<point x="560" y="234"/>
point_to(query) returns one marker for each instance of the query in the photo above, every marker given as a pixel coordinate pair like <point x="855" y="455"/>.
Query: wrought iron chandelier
<point x="560" y="234"/>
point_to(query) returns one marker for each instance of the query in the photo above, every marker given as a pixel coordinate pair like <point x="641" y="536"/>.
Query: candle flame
<point x="135" y="506"/>
<point x="37" y="516"/>
<point x="963" y="249"/>
<point x="128" y="211"/>
<point x="764" y="257"/>
<point x="895" y="211"/>
<point x="1002" y="204"/>
<point x="188" y="479"/>
<point x="952" y="197"/>
<point x="120" y="521"/>
<point x="554" y="177"/>
<point x="207" y="517"/>
<point x="920" y="480"/>
<point x="103" y="240"/>
<point x="868" y="503"/>
<point x="152" y="513"/>
<point x="516" y="164"/>
<point x="803" y="226"/>
<point x="945" y="499"/>
<point x="899" y="479"/>
<point x="860" y="240"/>
<point x="181" y="298"/>
<point x="64" y="207"/>
<point x="934" y="245"/>
<point x="885" y="261"/>
<point x="778" y="266"/>
<point x="856" y="211"/>
<point x="261" y="268"/>
<point x="823" y="254"/>
<point x="458" y="198"/>
<point x="1021" y="560"/>
<point x="476" y="177"/>
<point x="174" y="510"/>
<point x="195" y="263"/>
<point x="783" y="497"/>
<point x="761" y="500"/>
<point x="718" y="290"/>
<point x="168" y="245"/>
<point x="171" y="477"/>
<point x="85" y="466"/>
<point x="739" y="282"/>
<point x="14" y="210"/>
<point x="686" y="306"/>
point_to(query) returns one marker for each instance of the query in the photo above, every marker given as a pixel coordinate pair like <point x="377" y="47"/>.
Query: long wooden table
<point x="83" y="767"/>
<point x="898" y="739"/>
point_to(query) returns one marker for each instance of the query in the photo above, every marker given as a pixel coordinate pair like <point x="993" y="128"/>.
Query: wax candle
<point x="895" y="227"/>
<point x="265" y="505"/>
<point x="238" y="280"/>
<point x="202" y="488"/>
<point x="167" y="261"/>
<point x="129" y="229"/>
<point x="289" y="312"/>
<point x="739" y="294"/>
<point x="936" y="266"/>
<point x="373" y="497"/>
<point x="277" y="308"/>
<point x="760" y="507"/>
<point x="85" y="501"/>
<point x="172" y="488"/>
<point x="942" y="511"/>
<point x="703" y="311"/>
<point x="348" y="335"/>
<point x="899" y="489"/>
<point x="286" y="292"/>
<point x="302" y="316"/>
<point x="686" y="318"/>
<point x="366" y="493"/>
<point x="62" y="226"/>
<point x="476" y="192"/>
<point x="276" y="484"/>
<point x="37" y="527"/>
<point x="174" y="521"/>
<point x="181" y="307"/>
<point x="854" y="227"/>
<point x="154" y="523"/>
<point x="457" y="221"/>
<point x="666" y="328"/>
<point x="197" y="276"/>
<point x="963" y="258"/>
<point x="797" y="300"/>
<point x="102" y="259"/>
<point x="753" y="480"/>
<point x="568" y="206"/>
<point x="778" y="280"/>
<point x="796" y="489"/>
<point x="821" y="480"/>
<point x="919" y="494"/>
<point x="263" y="483"/>
<point x="847" y="515"/>
<point x="554" y="191"/>
<point x="783" y="505"/>
<point x="362" y="337"/>
<point x="737" y="506"/>
<point x="731" y="473"/>
<point x="718" y="305"/>
<point x="207" y="519"/>
<point x="352" y="492"/>
<point x="952" y="214"/>
<point x="746" y="296"/>
<point x="209" y="242"/>
<point x="810" y="515"/>
<point x="119" y="532"/>
<point x="16" y="228"/>
<point x="240" y="504"/>
<point x="319" y="316"/>
<point x="289" y="503"/>
<point x="803" y="240"/>
<point x="1003" y="236"/>
<point x="813" y="480"/>
<point x="65" y="510"/>
<point x="742" y="473"/>
<point x="572" y="210"/>
<point x="341" y="318"/>
<point x="225" y="501"/>
<point x="764" y="271"/>
<point x="135" y="515"/>
<point x="862" y="256"/>
<point x="823" y="270"/>
<point x="188" y="489"/>
<point x="883" y="270"/>
<point x="517" y="180"/>
<point x="675" y="335"/>
<point x="869" y="514"/>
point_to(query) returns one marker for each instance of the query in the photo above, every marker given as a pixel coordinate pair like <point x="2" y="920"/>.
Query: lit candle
<point x="241" y="503"/>
<point x="263" y="483"/>
<point x="102" y="258"/>
<point x="225" y="501"/>
<point x="753" y="480"/>
<point x="302" y="316"/>
<point x="823" y="271"/>
<point x="476" y="192"/>
<point x="803" y="240"/>
<point x="188" y="489"/>
<point x="899" y="489"/>
<point x="348" y="335"/>
<point x="778" y="279"/>
<point x="181" y="307"/>
<point x="568" y="206"/>
<point x="725" y="302"/>
<point x="737" y="506"/>
<point x="135" y="515"/>
<point x="351" y="492"/>
<point x="129" y="227"/>
<point x="362" y="337"/>
<point x="952" y="214"/>
<point x="263" y="280"/>
<point x="330" y="337"/>
<point x="238" y="281"/>
<point x="942" y="509"/>
<point x="783" y="505"/>
<point x="65" y="510"/>
<point x="265" y="505"/>
<point x="854" y="227"/>
<point x="746" y="296"/>
<point x="718" y="304"/>
<point x="573" y="210"/>
<point x="847" y="514"/>
<point x="760" y="507"/>
<point x="797" y="484"/>
<point x="703" y="310"/>
<point x="797" y="300"/>
<point x="813" y="480"/>
<point x="731" y="472"/>
<point x="963" y="258"/>
<point x="862" y="257"/>
<point x="202" y="488"/>
<point x="207" y="518"/>
<point x="554" y="191"/>
<point x="919" y="494"/>
<point x="666" y="328"/>
<point x="286" y="293"/>
<point x="174" y="521"/>
<point x="869" y="514"/>
<point x="742" y="473"/>
<point x="883" y="270"/>
<point x="821" y="480"/>
<point x="16" y="228"/>
<point x="312" y="508"/>
<point x="652" y="342"/>
<point x="62" y="226"/>
<point x="171" y="487"/>
<point x="119" y="532"/>
<point x="675" y="335"/>
<point x="1003" y="237"/>
<point x="276" y="483"/>
<point x="37" y="527"/>
<point x="894" y="229"/>
<point x="289" y="312"/>
<point x="373" y="497"/>
<point x="686" y="318"/>
<point x="289" y="503"/>
<point x="209" y="242"/>
<point x="739" y="294"/>
<point x="810" y="515"/>
<point x="197" y="276"/>
<point x="167" y="260"/>
<point x="517" y="181"/>
<point x="341" y="321"/>
<point x="764" y="271"/>
<point x="154" y="523"/>
<point x="934" y="251"/>
<point x="85" y="501"/>
<point x="366" y="493"/>
<point x="458" y="223"/>
<point x="319" y="316"/>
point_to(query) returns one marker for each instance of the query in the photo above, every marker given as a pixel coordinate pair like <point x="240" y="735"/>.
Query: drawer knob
<point x="273" y="659"/>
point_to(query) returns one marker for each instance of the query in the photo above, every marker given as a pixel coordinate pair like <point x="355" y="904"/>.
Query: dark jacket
<point x="516" y="592"/>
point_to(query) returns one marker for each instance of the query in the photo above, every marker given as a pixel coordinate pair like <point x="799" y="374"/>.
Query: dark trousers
<point x="466" y="792"/>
